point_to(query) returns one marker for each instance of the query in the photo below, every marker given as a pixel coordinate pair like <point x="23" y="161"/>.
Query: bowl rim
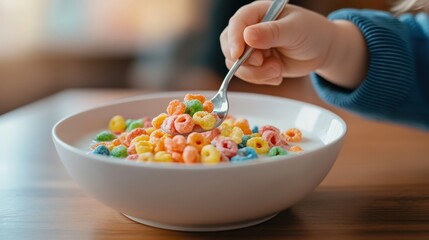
<point x="180" y="166"/>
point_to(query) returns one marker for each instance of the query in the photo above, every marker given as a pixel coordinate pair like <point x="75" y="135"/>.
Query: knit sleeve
<point x="396" y="87"/>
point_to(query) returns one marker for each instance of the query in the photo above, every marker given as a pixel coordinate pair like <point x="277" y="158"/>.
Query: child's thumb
<point x="264" y="35"/>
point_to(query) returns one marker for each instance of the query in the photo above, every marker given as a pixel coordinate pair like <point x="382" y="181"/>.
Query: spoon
<point x="220" y="99"/>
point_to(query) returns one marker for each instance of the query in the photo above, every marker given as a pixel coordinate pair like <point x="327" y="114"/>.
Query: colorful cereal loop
<point x="208" y="106"/>
<point x="176" y="107"/>
<point x="168" y="125"/>
<point x="191" y="155"/>
<point x="273" y="138"/>
<point x="210" y="155"/>
<point x="143" y="146"/>
<point x="184" y="124"/>
<point x="175" y="144"/>
<point x="197" y="140"/>
<point x="134" y="133"/>
<point x="293" y="135"/>
<point x="158" y="120"/>
<point x="236" y="135"/>
<point x="117" y="124"/>
<point x="296" y="149"/>
<point x="198" y="97"/>
<point x="259" y="144"/>
<point x="145" y="157"/>
<point x="204" y="119"/>
<point x="227" y="147"/>
<point x="244" y="125"/>
<point x="162" y="157"/>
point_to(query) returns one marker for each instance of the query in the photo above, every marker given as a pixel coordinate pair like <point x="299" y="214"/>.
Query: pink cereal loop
<point x="168" y="125"/>
<point x="227" y="147"/>
<point x="264" y="128"/>
<point x="272" y="138"/>
<point x="184" y="124"/>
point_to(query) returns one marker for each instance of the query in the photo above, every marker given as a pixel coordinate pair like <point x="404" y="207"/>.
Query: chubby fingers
<point x="255" y="59"/>
<point x="246" y="16"/>
<point x="270" y="72"/>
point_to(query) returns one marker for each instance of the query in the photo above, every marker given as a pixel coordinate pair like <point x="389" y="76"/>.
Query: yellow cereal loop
<point x="236" y="135"/>
<point x="210" y="155"/>
<point x="158" y="120"/>
<point x="143" y="147"/>
<point x="162" y="156"/>
<point x="206" y="120"/>
<point x="145" y="157"/>
<point x="226" y="129"/>
<point x="259" y="144"/>
<point x="140" y="138"/>
<point x="149" y="130"/>
<point x="117" y="124"/>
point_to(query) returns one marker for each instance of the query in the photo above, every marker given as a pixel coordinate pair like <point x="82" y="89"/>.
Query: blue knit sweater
<point x="396" y="87"/>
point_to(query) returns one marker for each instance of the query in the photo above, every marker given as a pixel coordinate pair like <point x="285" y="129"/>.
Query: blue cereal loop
<point x="255" y="129"/>
<point x="244" y="154"/>
<point x="101" y="150"/>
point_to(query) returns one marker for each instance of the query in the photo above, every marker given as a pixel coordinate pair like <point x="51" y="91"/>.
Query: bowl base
<point x="210" y="228"/>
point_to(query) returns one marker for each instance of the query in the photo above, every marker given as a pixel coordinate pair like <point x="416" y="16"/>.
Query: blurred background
<point x="50" y="45"/>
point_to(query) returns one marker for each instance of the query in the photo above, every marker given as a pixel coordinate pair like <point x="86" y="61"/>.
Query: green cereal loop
<point x="193" y="106"/>
<point x="119" y="152"/>
<point x="128" y="122"/>
<point x="277" y="151"/>
<point x="104" y="136"/>
<point x="134" y="124"/>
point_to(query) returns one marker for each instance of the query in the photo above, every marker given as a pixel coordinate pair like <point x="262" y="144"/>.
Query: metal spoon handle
<point x="272" y="13"/>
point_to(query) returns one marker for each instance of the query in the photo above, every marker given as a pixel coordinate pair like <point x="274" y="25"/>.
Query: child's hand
<point x="297" y="43"/>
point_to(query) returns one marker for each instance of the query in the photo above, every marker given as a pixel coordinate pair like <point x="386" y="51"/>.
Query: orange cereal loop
<point x="244" y="125"/>
<point x="208" y="106"/>
<point x="177" y="157"/>
<point x="158" y="120"/>
<point x="176" y="107"/>
<point x="184" y="124"/>
<point x="175" y="144"/>
<point x="134" y="133"/>
<point x="191" y="155"/>
<point x="156" y="135"/>
<point x="198" y="97"/>
<point x="197" y="140"/>
<point x="293" y="135"/>
<point x="114" y="143"/>
<point x="295" y="149"/>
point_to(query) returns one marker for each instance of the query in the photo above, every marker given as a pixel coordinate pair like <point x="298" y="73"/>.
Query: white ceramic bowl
<point x="199" y="197"/>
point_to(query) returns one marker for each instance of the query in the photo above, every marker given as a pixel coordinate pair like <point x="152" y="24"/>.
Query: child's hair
<point x="410" y="5"/>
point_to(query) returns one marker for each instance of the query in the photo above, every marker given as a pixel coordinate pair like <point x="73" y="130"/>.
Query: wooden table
<point x="377" y="189"/>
